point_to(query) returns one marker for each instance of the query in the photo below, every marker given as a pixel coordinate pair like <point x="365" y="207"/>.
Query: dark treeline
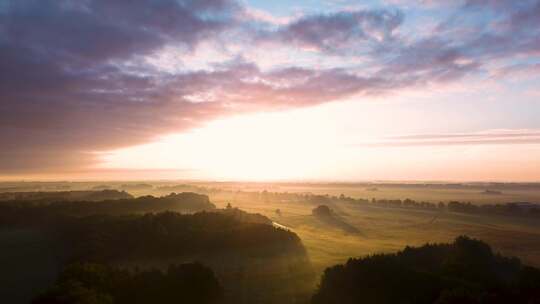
<point x="101" y="284"/>
<point x="136" y="187"/>
<point x="464" y="272"/>
<point x="168" y="235"/>
<point x="511" y="209"/>
<point x="46" y="210"/>
<point x="49" y="196"/>
<point x="508" y="209"/>
<point x="121" y="229"/>
<point x="186" y="188"/>
<point x="243" y="216"/>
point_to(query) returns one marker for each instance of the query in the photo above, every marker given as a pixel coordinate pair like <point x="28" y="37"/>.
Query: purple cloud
<point x="338" y="32"/>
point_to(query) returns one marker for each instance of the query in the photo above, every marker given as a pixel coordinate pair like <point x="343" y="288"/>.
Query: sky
<point x="253" y="90"/>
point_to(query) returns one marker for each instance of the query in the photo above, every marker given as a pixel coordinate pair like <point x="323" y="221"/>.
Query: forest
<point x="465" y="271"/>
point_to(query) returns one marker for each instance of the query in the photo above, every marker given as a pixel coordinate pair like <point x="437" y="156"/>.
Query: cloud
<point x="75" y="78"/>
<point x="258" y="15"/>
<point x="491" y="137"/>
<point x="519" y="71"/>
<point x="88" y="31"/>
<point x="433" y="60"/>
<point x="340" y="32"/>
<point x="114" y="109"/>
<point x="503" y="28"/>
<point x="64" y="91"/>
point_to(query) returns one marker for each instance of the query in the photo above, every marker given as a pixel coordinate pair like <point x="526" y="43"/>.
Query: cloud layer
<point x="75" y="78"/>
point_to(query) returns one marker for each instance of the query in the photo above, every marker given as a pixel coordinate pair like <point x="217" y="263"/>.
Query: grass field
<point x="382" y="229"/>
<point x="435" y="193"/>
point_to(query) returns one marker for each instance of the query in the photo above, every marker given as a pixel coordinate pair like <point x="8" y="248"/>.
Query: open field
<point x="472" y="192"/>
<point x="360" y="229"/>
<point x="382" y="229"/>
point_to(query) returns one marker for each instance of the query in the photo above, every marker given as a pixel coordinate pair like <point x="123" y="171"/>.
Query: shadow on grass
<point x="336" y="221"/>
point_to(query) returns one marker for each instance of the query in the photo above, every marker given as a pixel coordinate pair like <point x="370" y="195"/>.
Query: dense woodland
<point x="85" y="283"/>
<point x="464" y="272"/>
<point x="174" y="227"/>
<point x="169" y="234"/>
<point x="56" y="196"/>
<point x="124" y="229"/>
<point x="51" y="211"/>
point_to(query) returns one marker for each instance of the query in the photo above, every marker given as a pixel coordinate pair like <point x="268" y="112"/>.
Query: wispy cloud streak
<point x="495" y="137"/>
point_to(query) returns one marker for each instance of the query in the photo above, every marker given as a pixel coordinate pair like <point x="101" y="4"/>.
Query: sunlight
<point x="314" y="143"/>
<point x="254" y="147"/>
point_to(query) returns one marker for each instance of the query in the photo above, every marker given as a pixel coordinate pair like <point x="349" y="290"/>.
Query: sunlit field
<point x="432" y="192"/>
<point x="386" y="230"/>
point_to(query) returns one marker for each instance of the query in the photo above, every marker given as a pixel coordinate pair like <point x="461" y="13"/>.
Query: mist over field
<point x="269" y="152"/>
<point x="267" y="246"/>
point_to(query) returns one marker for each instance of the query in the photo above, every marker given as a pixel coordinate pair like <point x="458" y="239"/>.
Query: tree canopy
<point x="466" y="271"/>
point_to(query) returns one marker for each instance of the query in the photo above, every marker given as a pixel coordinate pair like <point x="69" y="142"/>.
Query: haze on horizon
<point x="281" y="90"/>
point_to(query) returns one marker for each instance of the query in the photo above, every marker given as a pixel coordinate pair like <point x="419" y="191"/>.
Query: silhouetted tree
<point x="322" y="210"/>
<point x="101" y="284"/>
<point x="466" y="271"/>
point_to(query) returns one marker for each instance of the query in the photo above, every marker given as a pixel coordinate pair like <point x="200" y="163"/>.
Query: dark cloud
<point x="507" y="28"/>
<point x="120" y="110"/>
<point x="432" y="60"/>
<point x="99" y="29"/>
<point x="500" y="30"/>
<point x="341" y="32"/>
<point x="63" y="92"/>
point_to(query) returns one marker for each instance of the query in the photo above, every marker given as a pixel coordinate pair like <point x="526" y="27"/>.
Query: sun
<point x="271" y="146"/>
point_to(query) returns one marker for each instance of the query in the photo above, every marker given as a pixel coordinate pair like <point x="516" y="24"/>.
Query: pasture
<point x="383" y="229"/>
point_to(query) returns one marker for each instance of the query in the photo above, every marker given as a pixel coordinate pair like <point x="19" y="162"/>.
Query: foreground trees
<point x="250" y="257"/>
<point x="466" y="271"/>
<point x="100" y="284"/>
